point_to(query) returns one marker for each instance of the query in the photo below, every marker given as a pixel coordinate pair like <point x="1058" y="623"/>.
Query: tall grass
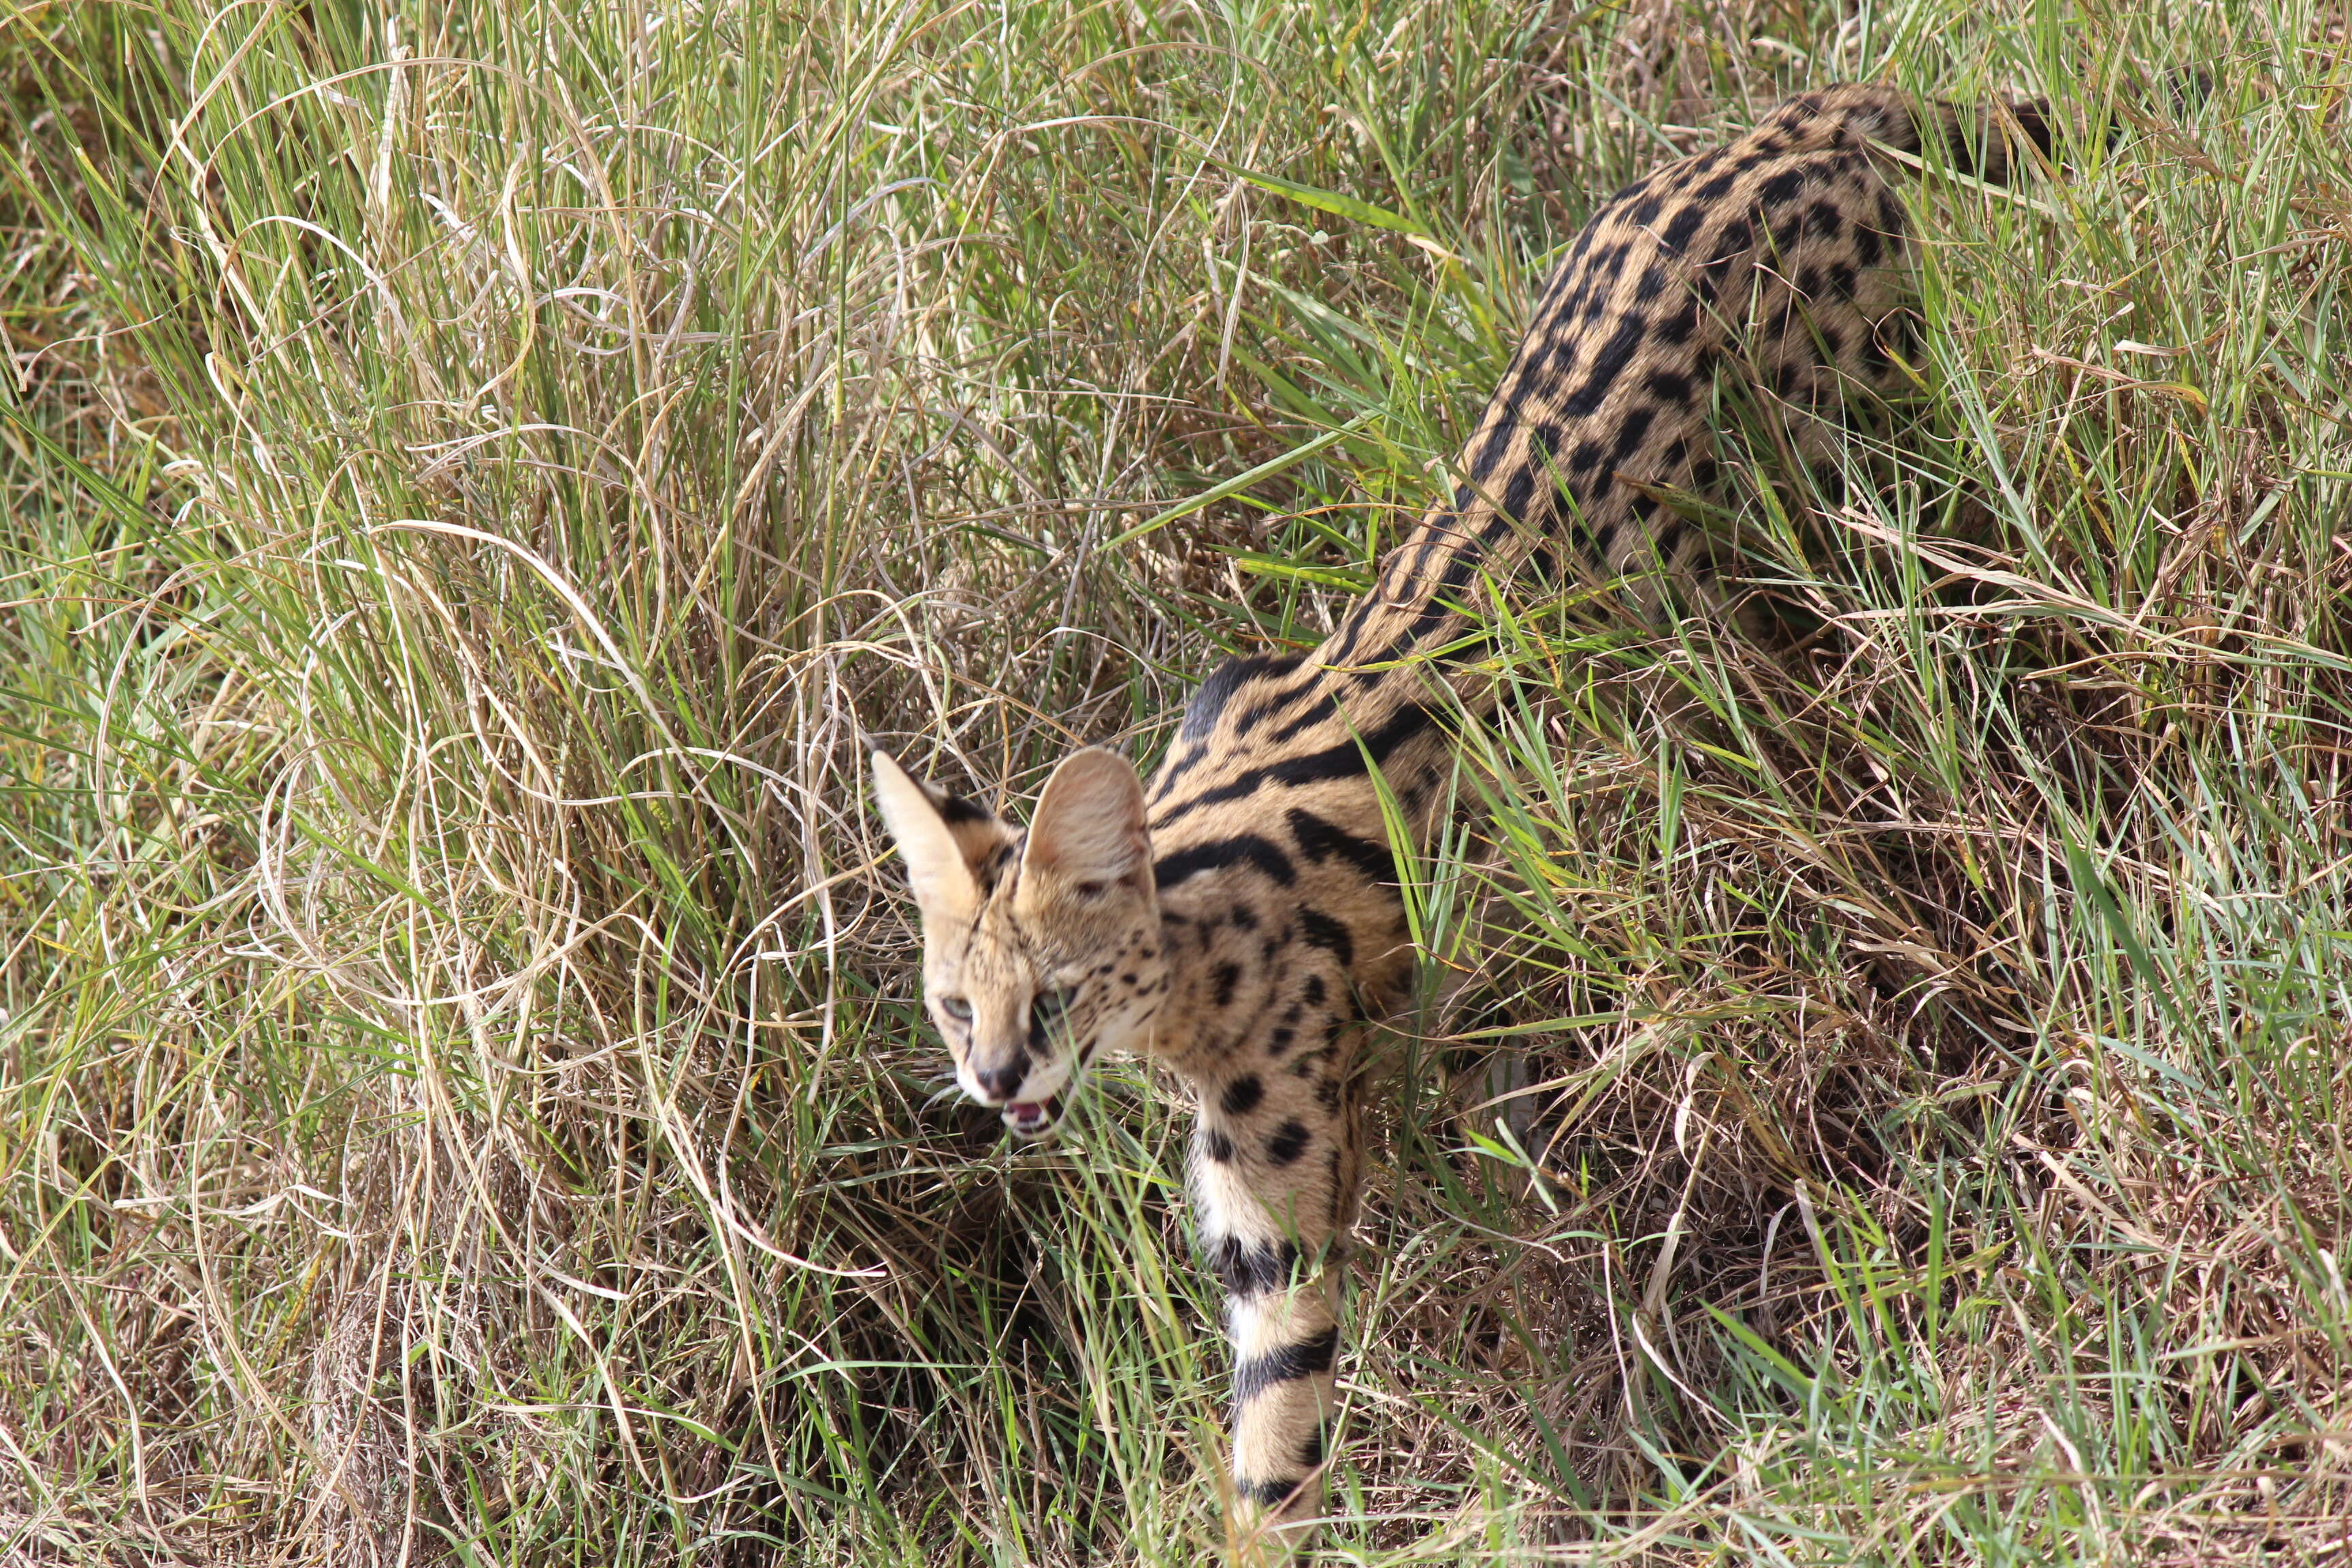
<point x="474" y="472"/>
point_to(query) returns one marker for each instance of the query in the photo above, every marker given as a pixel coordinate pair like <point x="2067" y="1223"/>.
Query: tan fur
<point x="1268" y="929"/>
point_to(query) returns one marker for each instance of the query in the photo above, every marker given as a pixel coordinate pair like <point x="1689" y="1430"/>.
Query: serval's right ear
<point x="950" y="845"/>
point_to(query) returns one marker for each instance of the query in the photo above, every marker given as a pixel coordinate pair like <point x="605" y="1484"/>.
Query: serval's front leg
<point x="1274" y="1174"/>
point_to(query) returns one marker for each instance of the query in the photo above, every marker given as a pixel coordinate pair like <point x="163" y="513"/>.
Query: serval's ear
<point x="1088" y="832"/>
<point x="947" y="841"/>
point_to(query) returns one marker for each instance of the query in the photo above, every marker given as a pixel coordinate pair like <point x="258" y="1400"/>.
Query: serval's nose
<point x="998" y="1084"/>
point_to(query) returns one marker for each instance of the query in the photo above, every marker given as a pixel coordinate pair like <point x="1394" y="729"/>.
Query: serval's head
<point x="1039" y="948"/>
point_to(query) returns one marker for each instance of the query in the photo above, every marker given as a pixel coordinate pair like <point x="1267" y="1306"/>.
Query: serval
<point x="1239" y="921"/>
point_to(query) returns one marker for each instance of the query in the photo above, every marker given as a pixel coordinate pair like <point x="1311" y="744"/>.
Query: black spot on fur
<point x="1518" y="492"/>
<point x="1781" y="189"/>
<point x="1209" y="701"/>
<point x="989" y="872"/>
<point x="1890" y="213"/>
<point x="1868" y="244"/>
<point x="1322" y="931"/>
<point x="2030" y="121"/>
<point x="1319" y="840"/>
<point x="1607" y="366"/>
<point x="957" y="809"/>
<point x="1285" y="1364"/>
<point x="1289" y="1141"/>
<point x="1246" y="1269"/>
<point x="1242" y="1095"/>
<point x="1216" y="856"/>
<point x="1713" y="190"/>
<point x="1631" y="432"/>
<point x="1322" y="709"/>
<point x="1343" y="760"/>
<point x="1667" y="388"/>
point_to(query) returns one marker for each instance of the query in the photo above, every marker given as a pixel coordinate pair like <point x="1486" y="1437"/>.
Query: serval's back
<point x="1241" y="922"/>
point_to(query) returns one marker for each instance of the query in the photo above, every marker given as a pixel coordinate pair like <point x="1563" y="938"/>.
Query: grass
<point x="474" y="471"/>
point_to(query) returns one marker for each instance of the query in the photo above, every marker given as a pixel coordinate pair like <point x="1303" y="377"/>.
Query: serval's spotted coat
<point x="1240" y="923"/>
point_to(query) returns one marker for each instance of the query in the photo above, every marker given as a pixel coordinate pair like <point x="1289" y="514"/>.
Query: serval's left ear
<point x="1088" y="831"/>
<point x="946" y="840"/>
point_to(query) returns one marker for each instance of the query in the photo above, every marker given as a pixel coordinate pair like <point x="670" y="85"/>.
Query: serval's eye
<point x="1049" y="1005"/>
<point x="956" y="1007"/>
